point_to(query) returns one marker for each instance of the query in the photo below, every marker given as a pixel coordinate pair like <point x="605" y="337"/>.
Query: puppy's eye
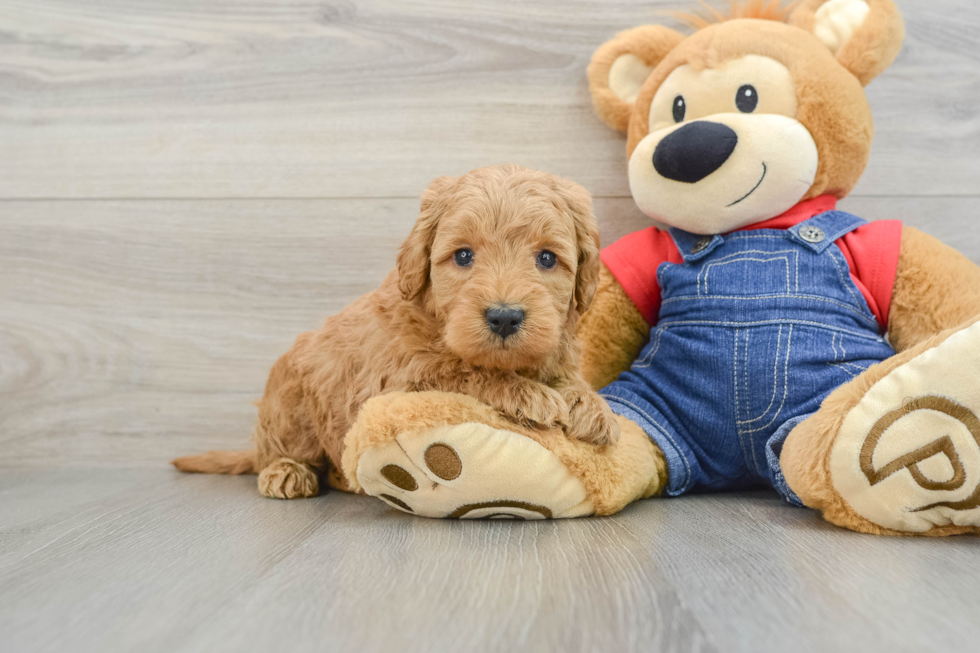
<point x="680" y="108"/>
<point x="547" y="260"/>
<point x="463" y="257"/>
<point x="747" y="98"/>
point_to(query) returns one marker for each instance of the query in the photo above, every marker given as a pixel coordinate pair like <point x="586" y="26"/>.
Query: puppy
<point x="484" y="301"/>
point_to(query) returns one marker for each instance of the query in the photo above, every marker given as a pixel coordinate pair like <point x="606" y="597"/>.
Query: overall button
<point x="701" y="245"/>
<point x="812" y="234"/>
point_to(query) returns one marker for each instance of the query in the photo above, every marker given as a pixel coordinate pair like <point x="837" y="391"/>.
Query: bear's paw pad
<point x="471" y="471"/>
<point x="907" y="456"/>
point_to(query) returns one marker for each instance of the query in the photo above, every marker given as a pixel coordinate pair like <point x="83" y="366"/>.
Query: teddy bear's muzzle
<point x="694" y="151"/>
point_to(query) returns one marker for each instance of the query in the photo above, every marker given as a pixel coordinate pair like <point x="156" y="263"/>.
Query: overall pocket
<point x="761" y="375"/>
<point x="767" y="273"/>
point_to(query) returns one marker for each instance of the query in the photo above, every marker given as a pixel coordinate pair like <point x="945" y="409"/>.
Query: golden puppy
<point x="484" y="301"/>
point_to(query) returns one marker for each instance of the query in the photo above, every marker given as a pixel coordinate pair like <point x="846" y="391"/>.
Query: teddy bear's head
<point x="748" y="116"/>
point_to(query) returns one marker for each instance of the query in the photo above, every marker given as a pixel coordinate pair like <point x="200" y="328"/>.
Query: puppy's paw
<point x="288" y="479"/>
<point x="536" y="404"/>
<point x="590" y="419"/>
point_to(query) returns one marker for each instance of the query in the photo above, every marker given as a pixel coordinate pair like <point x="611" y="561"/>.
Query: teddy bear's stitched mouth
<point x="759" y="183"/>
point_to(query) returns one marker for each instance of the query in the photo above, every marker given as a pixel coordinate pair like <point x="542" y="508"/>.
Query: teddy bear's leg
<point x="438" y="454"/>
<point x="897" y="450"/>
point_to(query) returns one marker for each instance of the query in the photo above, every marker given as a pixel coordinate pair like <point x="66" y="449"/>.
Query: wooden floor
<point x="185" y="185"/>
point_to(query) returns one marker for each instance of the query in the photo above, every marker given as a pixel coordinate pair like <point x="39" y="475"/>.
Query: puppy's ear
<point x="578" y="204"/>
<point x="620" y="67"/>
<point x="413" y="257"/>
<point x="864" y="35"/>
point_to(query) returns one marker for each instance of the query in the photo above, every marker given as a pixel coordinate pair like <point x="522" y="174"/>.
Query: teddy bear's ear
<point x="864" y="35"/>
<point x="619" y="68"/>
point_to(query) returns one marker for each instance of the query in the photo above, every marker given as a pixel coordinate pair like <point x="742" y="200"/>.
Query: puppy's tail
<point x="218" y="462"/>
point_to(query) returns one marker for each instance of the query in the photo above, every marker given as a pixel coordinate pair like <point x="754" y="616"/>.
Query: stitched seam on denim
<point x="738" y="409"/>
<point x="745" y="433"/>
<point x="659" y="427"/>
<point x="691" y="257"/>
<point x="824" y="221"/>
<point x="844" y="283"/>
<point x="816" y="325"/>
<point x="692" y="298"/>
<point x="754" y="251"/>
<point x="746" y="237"/>
<point x="741" y="362"/>
<point x="714" y="264"/>
<point x="845" y="367"/>
<point x="738" y="363"/>
<point x="745" y="370"/>
<point x="834" y="236"/>
<point x="747" y="450"/>
<point x="724" y="259"/>
<point x="775" y="380"/>
<point x="844" y="363"/>
<point x="816" y="248"/>
<point x="646" y="360"/>
<point x="660" y="275"/>
<point x="796" y="271"/>
<point x="789" y="349"/>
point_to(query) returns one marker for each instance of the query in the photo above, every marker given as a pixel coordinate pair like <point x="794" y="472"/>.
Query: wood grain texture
<point x="232" y="98"/>
<point x="151" y="560"/>
<point x="242" y="168"/>
<point x="135" y="331"/>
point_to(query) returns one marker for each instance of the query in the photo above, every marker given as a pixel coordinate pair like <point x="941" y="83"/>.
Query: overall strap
<point x="822" y="230"/>
<point x="693" y="247"/>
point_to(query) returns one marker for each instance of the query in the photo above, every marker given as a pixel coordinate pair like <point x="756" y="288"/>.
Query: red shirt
<point x="871" y="251"/>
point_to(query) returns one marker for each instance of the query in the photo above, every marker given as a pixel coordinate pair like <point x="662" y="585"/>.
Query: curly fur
<point x="425" y="328"/>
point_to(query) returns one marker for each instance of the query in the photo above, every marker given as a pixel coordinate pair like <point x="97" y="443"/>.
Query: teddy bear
<point x="758" y="336"/>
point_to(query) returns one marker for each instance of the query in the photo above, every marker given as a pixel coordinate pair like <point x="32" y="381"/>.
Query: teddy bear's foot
<point x="906" y="455"/>
<point x="438" y="454"/>
<point x="287" y="479"/>
<point x="469" y="470"/>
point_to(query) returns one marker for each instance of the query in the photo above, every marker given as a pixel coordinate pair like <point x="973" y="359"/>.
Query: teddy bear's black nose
<point x="504" y="320"/>
<point x="694" y="151"/>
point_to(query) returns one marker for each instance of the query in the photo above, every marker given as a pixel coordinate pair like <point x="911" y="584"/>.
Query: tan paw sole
<point x="471" y="471"/>
<point x="907" y="456"/>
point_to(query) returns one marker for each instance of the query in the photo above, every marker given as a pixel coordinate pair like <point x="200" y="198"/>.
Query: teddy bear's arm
<point x="936" y="288"/>
<point x="611" y="333"/>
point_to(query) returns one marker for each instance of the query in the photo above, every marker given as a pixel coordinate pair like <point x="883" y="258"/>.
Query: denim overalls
<point x="756" y="328"/>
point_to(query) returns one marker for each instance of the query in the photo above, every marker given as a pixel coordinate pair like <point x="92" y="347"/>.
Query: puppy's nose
<point x="504" y="320"/>
<point x="694" y="151"/>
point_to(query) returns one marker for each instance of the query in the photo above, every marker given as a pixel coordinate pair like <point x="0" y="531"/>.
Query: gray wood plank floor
<point x="150" y="561"/>
<point x="185" y="185"/>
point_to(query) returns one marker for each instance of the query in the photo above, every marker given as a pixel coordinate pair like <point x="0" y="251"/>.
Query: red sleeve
<point x="634" y="260"/>
<point x="872" y="252"/>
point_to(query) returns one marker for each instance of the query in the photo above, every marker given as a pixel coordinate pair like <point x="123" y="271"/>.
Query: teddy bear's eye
<point x="747" y="98"/>
<point x="680" y="108"/>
